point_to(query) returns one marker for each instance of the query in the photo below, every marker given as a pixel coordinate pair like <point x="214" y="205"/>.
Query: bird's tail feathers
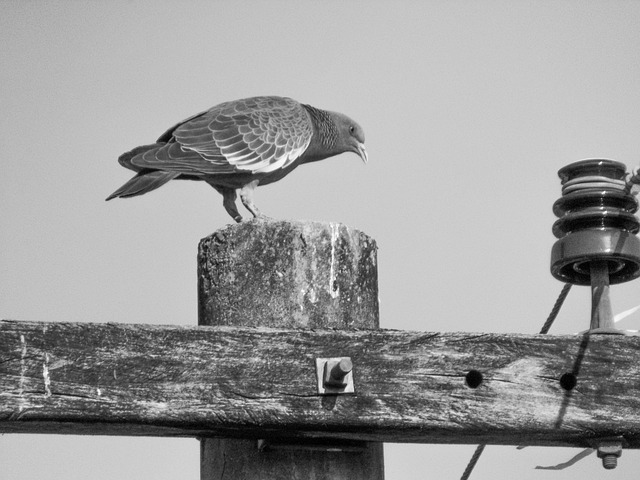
<point x="125" y="158"/>
<point x="143" y="182"/>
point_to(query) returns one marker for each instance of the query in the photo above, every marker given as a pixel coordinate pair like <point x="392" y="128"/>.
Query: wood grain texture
<point x="288" y="274"/>
<point x="122" y="379"/>
<point x="240" y="459"/>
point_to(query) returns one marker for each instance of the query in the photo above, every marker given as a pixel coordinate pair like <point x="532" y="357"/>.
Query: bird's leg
<point x="229" y="201"/>
<point x="246" y="196"/>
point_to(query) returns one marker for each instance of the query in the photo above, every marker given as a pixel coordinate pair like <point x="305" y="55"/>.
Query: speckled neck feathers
<point x="325" y="126"/>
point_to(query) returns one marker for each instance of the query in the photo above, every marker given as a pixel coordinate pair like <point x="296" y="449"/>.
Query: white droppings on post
<point x="312" y="295"/>
<point x="334" y="289"/>
<point x="45" y="375"/>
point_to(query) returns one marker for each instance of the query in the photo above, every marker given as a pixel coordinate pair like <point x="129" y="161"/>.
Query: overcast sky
<point x="469" y="109"/>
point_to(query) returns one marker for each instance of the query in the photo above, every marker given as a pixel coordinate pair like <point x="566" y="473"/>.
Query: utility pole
<point x="289" y="275"/>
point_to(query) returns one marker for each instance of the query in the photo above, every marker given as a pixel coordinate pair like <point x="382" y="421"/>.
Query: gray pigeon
<point x="239" y="145"/>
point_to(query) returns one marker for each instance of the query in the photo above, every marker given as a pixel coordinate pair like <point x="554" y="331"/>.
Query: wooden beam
<point x="118" y="379"/>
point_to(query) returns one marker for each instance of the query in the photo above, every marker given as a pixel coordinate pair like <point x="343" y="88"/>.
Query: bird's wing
<point x="254" y="135"/>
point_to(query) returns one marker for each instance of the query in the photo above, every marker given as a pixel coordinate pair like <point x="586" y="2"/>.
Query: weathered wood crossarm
<point x="119" y="379"/>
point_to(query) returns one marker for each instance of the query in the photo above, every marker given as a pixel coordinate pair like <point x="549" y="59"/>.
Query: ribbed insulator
<point x="596" y="222"/>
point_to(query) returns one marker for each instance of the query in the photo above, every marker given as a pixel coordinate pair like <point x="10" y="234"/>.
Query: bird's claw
<point x="256" y="218"/>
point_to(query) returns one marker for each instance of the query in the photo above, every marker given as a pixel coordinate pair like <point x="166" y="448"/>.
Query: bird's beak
<point x="362" y="152"/>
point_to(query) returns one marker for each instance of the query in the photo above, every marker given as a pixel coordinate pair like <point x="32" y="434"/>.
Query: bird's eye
<point x="352" y="129"/>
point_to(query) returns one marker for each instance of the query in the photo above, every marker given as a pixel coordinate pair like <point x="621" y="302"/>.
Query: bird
<point x="238" y="145"/>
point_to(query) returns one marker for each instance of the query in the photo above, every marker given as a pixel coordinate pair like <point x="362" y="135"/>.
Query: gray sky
<point x="469" y="109"/>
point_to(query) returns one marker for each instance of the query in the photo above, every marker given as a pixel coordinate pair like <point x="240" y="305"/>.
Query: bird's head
<point x="335" y="134"/>
<point x="350" y="136"/>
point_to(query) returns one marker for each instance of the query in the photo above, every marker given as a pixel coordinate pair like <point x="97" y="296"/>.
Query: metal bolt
<point x="609" y="462"/>
<point x="609" y="451"/>
<point x="336" y="372"/>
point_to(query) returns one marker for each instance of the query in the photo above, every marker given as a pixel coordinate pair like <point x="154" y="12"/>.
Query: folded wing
<point x="253" y="135"/>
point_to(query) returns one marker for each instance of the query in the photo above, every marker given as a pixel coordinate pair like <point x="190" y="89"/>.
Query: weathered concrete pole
<point x="288" y="274"/>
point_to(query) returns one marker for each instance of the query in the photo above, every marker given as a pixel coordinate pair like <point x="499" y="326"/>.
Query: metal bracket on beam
<point x="334" y="375"/>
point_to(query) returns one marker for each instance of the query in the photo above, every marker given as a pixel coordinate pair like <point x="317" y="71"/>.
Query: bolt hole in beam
<point x="568" y="381"/>
<point x="473" y="378"/>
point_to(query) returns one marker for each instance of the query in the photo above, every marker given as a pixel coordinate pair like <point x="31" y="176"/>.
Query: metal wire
<point x="473" y="461"/>
<point x="556" y="308"/>
<point x="633" y="181"/>
<point x="543" y="331"/>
